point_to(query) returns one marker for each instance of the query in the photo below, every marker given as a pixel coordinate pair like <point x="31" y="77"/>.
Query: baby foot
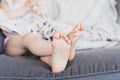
<point x="47" y="59"/>
<point x="61" y="50"/>
<point x="74" y="35"/>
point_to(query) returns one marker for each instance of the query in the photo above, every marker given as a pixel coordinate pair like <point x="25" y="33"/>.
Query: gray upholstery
<point x="118" y="9"/>
<point x="99" y="66"/>
<point x="1" y="41"/>
<point x="94" y="64"/>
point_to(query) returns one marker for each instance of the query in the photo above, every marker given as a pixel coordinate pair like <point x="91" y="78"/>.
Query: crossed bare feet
<point x="63" y="49"/>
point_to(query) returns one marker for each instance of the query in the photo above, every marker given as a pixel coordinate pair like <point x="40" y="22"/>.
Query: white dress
<point x="31" y="22"/>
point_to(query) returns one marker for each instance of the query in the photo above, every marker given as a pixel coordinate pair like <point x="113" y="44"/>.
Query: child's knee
<point x="28" y="38"/>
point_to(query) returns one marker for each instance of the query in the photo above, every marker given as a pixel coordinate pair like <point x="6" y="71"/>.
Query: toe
<point x="77" y="27"/>
<point x="81" y="27"/>
<point x="65" y="37"/>
<point x="69" y="42"/>
<point x="62" y="35"/>
<point x="56" y="35"/>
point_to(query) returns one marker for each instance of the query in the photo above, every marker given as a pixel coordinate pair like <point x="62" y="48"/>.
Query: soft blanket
<point x="98" y="16"/>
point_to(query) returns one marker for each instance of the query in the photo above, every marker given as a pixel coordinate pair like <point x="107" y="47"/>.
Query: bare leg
<point x="18" y="45"/>
<point x="46" y="59"/>
<point x="74" y="35"/>
<point x="14" y="46"/>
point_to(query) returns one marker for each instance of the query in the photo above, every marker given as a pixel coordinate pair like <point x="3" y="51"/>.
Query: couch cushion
<point x="118" y="9"/>
<point x="88" y="63"/>
<point x="1" y="42"/>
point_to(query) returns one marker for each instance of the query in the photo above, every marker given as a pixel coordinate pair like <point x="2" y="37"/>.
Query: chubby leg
<point x="61" y="50"/>
<point x="18" y="45"/>
<point x="14" y="46"/>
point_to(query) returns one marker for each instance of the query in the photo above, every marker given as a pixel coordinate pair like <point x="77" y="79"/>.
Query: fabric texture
<point x="98" y="16"/>
<point x="118" y="10"/>
<point x="88" y="65"/>
<point x="1" y="42"/>
<point x="35" y="22"/>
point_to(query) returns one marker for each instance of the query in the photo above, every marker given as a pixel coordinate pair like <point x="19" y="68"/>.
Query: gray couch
<point x="92" y="64"/>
